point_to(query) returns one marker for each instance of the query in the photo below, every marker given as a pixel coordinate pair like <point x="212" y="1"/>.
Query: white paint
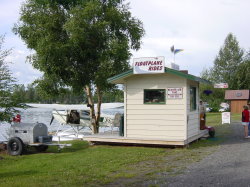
<point x="173" y="66"/>
<point x="221" y="85"/>
<point x="175" y="93"/>
<point x="155" y="121"/>
<point x="226" y="117"/>
<point x="146" y="65"/>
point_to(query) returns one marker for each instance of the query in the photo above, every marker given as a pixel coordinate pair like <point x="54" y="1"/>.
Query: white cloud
<point x="9" y="11"/>
<point x="21" y="52"/>
<point x="17" y="74"/>
<point x="22" y="70"/>
<point x="198" y="27"/>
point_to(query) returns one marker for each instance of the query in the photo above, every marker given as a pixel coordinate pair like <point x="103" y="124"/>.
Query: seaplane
<point x="78" y="119"/>
<point x="73" y="121"/>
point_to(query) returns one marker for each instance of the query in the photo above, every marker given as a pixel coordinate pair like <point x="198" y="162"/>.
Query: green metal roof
<point x="118" y="79"/>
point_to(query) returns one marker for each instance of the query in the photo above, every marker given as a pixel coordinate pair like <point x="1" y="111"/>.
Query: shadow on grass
<point x="17" y="173"/>
<point x="222" y="133"/>
<point x="77" y="145"/>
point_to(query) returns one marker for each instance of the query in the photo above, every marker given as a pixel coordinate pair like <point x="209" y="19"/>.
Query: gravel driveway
<point x="229" y="166"/>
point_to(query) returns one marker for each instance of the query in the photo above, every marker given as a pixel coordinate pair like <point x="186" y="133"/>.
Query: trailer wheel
<point x="15" y="146"/>
<point x="211" y="132"/>
<point x="41" y="148"/>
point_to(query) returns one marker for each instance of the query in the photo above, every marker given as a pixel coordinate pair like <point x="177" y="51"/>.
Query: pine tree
<point x="7" y="83"/>
<point x="227" y="62"/>
<point x="243" y="74"/>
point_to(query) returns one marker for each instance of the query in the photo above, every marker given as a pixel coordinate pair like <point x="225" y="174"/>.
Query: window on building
<point x="192" y="98"/>
<point x="155" y="96"/>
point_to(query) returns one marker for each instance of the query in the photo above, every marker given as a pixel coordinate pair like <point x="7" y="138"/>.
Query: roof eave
<point x="120" y="78"/>
<point x="187" y="76"/>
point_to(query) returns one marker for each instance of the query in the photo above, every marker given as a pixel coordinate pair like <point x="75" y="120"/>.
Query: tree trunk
<point x="93" y="120"/>
<point x="99" y="96"/>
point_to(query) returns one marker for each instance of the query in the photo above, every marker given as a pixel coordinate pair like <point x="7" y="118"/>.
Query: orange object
<point x="202" y="122"/>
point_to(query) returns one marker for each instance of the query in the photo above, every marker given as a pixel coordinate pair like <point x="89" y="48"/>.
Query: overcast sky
<point x="197" y="26"/>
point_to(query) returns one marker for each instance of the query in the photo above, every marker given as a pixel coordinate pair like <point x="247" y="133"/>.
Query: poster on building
<point x="175" y="93"/>
<point x="146" y="65"/>
<point x="226" y="117"/>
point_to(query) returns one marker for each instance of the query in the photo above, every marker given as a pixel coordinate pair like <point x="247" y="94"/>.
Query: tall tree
<point x="231" y="66"/>
<point x="80" y="42"/>
<point x="7" y="83"/>
<point x="227" y="61"/>
<point x="19" y="93"/>
<point x="243" y="73"/>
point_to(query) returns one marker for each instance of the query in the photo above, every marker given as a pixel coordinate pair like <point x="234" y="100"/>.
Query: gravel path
<point x="229" y="166"/>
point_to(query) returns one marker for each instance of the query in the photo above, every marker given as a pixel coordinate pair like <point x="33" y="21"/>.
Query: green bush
<point x="215" y="105"/>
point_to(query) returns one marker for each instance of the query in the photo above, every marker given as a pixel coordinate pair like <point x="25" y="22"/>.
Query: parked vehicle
<point x="24" y="135"/>
<point x="223" y="109"/>
<point x="208" y="109"/>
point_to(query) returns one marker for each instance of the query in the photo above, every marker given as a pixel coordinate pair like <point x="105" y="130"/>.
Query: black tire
<point x="211" y="133"/>
<point x="15" y="146"/>
<point x="41" y="148"/>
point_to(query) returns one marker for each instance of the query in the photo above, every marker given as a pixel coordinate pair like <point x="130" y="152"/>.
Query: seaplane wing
<point x="75" y="107"/>
<point x="75" y="119"/>
<point x="71" y="117"/>
<point x="82" y="118"/>
<point x="78" y="120"/>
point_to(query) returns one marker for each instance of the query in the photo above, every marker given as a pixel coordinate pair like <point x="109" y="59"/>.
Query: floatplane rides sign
<point x="147" y="65"/>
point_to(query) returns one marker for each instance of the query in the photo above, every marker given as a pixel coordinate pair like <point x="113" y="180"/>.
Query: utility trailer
<point x="24" y="135"/>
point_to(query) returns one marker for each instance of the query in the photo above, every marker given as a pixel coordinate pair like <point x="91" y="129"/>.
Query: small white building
<point x="160" y="108"/>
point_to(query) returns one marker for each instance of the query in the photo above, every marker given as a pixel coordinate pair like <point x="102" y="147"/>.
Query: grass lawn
<point x="84" y="165"/>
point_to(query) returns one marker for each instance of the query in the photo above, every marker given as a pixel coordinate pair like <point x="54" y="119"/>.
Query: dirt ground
<point x="2" y="150"/>
<point x="2" y="147"/>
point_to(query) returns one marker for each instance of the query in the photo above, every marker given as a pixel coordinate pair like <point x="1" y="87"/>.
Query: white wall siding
<point x="167" y="122"/>
<point x="157" y="127"/>
<point x="155" y="121"/>
<point x="156" y="134"/>
<point x="179" y="117"/>
<point x="154" y="107"/>
<point x="125" y="110"/>
<point x="193" y="116"/>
